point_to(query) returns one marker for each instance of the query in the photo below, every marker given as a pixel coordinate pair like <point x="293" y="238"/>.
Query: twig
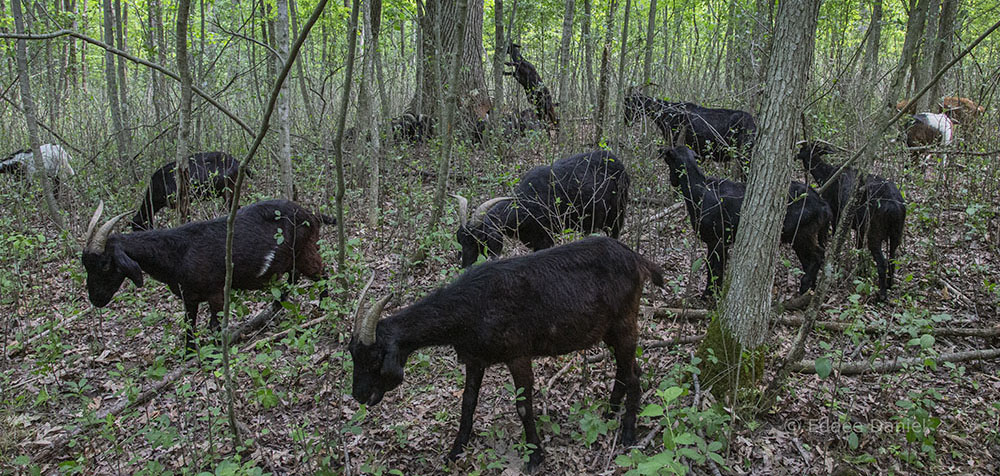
<point x="857" y="368"/>
<point x="656" y="344"/>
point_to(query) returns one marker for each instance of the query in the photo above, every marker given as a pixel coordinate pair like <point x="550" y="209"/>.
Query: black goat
<point x="271" y="238"/>
<point x="879" y="216"/>
<point x="412" y="128"/>
<point x="552" y="302"/>
<point x="586" y="192"/>
<point x="714" y="204"/>
<point x="718" y="134"/>
<point x="529" y="79"/>
<point x="212" y="174"/>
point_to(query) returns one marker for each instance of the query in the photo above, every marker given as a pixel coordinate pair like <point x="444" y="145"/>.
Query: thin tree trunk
<point x="28" y="106"/>
<point x="112" y="83"/>
<point x="620" y="90"/>
<point x="499" y="46"/>
<point x="588" y="56"/>
<point x="602" y="92"/>
<point x="300" y="69"/>
<point x="367" y="116"/>
<point x="564" y="54"/>
<point x="914" y="32"/>
<point x="746" y="306"/>
<point x="647" y="64"/>
<point x="869" y="68"/>
<point x="184" y="115"/>
<point x="120" y="22"/>
<point x="352" y="43"/>
<point x="284" y="101"/>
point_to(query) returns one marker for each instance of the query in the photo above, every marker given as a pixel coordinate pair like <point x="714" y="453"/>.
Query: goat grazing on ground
<point x="928" y="128"/>
<point x="586" y="192"/>
<point x="529" y="79"/>
<point x="879" y="216"/>
<point x="212" y="174"/>
<point x="412" y="128"/>
<point x="713" y="205"/>
<point x="55" y="160"/>
<point x="717" y="134"/>
<point x="508" y="311"/>
<point x="270" y="239"/>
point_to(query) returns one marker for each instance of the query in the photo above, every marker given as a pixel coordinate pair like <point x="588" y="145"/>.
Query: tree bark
<point x="620" y="90"/>
<point x="306" y="101"/>
<point x="112" y="83"/>
<point x="869" y="67"/>
<point x="602" y="87"/>
<point x="338" y="150"/>
<point x="184" y="115"/>
<point x="567" y="37"/>
<point x="747" y="304"/>
<point x="910" y="53"/>
<point x="926" y="65"/>
<point x="28" y="106"/>
<point x="449" y="124"/>
<point x="588" y="51"/>
<point x="647" y="64"/>
<point x="284" y="101"/>
<point x="367" y="106"/>
<point x="121" y="17"/>
<point x="499" y="53"/>
<point x="942" y="50"/>
<point x="474" y="103"/>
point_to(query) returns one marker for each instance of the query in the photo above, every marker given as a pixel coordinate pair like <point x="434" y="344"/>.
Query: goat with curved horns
<point x="552" y="302"/>
<point x="586" y="192"/>
<point x="270" y="239"/>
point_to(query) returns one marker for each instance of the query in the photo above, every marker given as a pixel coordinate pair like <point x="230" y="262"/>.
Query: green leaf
<point x="926" y="341"/>
<point x="671" y="394"/>
<point x="824" y="366"/>
<point x="652" y="410"/>
<point x="852" y="440"/>
<point x="684" y="439"/>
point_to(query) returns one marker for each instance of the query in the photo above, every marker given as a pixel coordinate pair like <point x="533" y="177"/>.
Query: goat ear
<point x="129" y="267"/>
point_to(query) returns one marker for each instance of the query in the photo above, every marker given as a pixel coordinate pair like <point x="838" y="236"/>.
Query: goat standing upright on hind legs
<point x="538" y="94"/>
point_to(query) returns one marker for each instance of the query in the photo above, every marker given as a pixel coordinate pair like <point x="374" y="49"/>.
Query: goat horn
<point x="93" y="223"/>
<point x="100" y="238"/>
<point x="832" y="146"/>
<point x="482" y="209"/>
<point x="463" y="208"/>
<point x="368" y="324"/>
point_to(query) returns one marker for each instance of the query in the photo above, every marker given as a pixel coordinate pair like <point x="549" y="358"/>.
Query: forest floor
<point x="292" y="393"/>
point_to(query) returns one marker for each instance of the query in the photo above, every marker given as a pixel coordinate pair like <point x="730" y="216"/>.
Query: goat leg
<point x="192" y="321"/>
<point x="520" y="369"/>
<point x="470" y="397"/>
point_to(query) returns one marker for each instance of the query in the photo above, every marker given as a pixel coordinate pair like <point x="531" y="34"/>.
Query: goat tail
<point x="650" y="270"/>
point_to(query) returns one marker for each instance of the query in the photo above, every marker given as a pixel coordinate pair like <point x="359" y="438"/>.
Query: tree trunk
<point x="455" y="80"/>
<point x="620" y="90"/>
<point x="284" y="101"/>
<point x="338" y="150"/>
<point x="28" y="106"/>
<point x="914" y="32"/>
<point x="942" y="50"/>
<point x="588" y="53"/>
<point x="647" y="64"/>
<point x="602" y="87"/>
<point x="869" y="68"/>
<point x="567" y="37"/>
<point x="184" y="115"/>
<point x="367" y="106"/>
<point x="474" y="102"/>
<point x="746" y="307"/>
<point x="110" y="76"/>
<point x="300" y="69"/>
<point x="926" y="64"/>
<point x="499" y="43"/>
<point x="120" y="22"/>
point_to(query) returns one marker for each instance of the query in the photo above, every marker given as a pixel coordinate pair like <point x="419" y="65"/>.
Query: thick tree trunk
<point x="925" y="67"/>
<point x="184" y="116"/>
<point x="747" y="304"/>
<point x="112" y="82"/>
<point x="869" y="67"/>
<point x="647" y="64"/>
<point x="284" y="101"/>
<point x="567" y="37"/>
<point x="474" y="102"/>
<point x="914" y="32"/>
<point x="28" y="106"/>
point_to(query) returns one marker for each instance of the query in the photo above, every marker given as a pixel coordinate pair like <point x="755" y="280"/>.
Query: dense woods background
<point x="105" y="81"/>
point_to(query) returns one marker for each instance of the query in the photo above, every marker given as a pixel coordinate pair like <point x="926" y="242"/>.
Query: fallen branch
<point x="857" y="368"/>
<point x="19" y="347"/>
<point x="662" y="213"/>
<point x="654" y="344"/>
<point x="158" y="388"/>
<point x="877" y="329"/>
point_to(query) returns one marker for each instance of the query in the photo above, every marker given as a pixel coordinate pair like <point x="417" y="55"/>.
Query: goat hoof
<point x="453" y="455"/>
<point x="534" y="461"/>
